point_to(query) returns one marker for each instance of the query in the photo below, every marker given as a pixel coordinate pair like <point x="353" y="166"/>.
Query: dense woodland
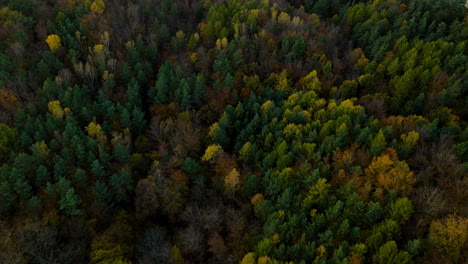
<point x="240" y="131"/>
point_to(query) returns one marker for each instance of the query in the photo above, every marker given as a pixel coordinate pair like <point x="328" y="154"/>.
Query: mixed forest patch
<point x="240" y="131"/>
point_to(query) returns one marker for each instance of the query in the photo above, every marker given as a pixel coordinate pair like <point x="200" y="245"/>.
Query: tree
<point x="97" y="170"/>
<point x="98" y="6"/>
<point x="54" y="42"/>
<point x="138" y="120"/>
<point x="133" y="95"/>
<point x="9" y="141"/>
<point x="378" y="144"/>
<point x="35" y="204"/>
<point x="42" y="175"/>
<point x="21" y="185"/>
<point x="103" y="195"/>
<point x="55" y="109"/>
<point x="249" y="258"/>
<point x="192" y="168"/>
<point x="115" y="244"/>
<point x="160" y="93"/>
<point x="231" y="182"/>
<point x="80" y="178"/>
<point x="70" y="202"/>
<point x="153" y="246"/>
<point x="176" y="255"/>
<point x="389" y="254"/>
<point x="183" y="95"/>
<point x="401" y="210"/>
<point x="449" y="235"/>
<point x="60" y="168"/>
<point x="387" y="173"/>
<point x="146" y="198"/>
<point x="40" y="150"/>
<point x="121" y="183"/>
<point x="199" y="90"/>
<point x="212" y="152"/>
<point x="410" y="140"/>
<point x="120" y="154"/>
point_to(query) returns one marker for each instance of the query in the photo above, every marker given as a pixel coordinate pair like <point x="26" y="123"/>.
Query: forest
<point x="233" y="131"/>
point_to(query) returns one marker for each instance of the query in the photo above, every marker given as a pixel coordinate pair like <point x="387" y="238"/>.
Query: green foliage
<point x="120" y="154"/>
<point x="401" y="210"/>
<point x="255" y="131"/>
<point x="9" y="141"/>
<point x="389" y="253"/>
<point x="70" y="202"/>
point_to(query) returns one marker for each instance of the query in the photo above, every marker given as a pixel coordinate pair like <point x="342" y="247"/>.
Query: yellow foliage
<point x="232" y="180"/>
<point x="67" y="111"/>
<point x="105" y="75"/>
<point x="193" y="57"/>
<point x="180" y="34"/>
<point x="130" y="44"/>
<point x="213" y="129"/>
<point x="450" y="235"/>
<point x="275" y="238"/>
<point x="410" y="139"/>
<point x="93" y="129"/>
<point x="362" y="62"/>
<point x="98" y="48"/>
<point x="98" y="6"/>
<point x="389" y="174"/>
<point x="40" y="149"/>
<point x="310" y="82"/>
<point x="297" y="20"/>
<point x="313" y="212"/>
<point x="212" y="152"/>
<point x="283" y="82"/>
<point x="9" y="16"/>
<point x="249" y="258"/>
<point x="274" y="13"/>
<point x="257" y="198"/>
<point x="113" y="245"/>
<point x="291" y="130"/>
<point x="284" y="18"/>
<point x="55" y="109"/>
<point x="54" y="42"/>
<point x="264" y="260"/>
<point x="343" y="160"/>
<point x="319" y="189"/>
<point x="331" y="106"/>
<point x="321" y="252"/>
<point x="8" y="100"/>
<point x="281" y="214"/>
<point x="176" y="256"/>
<point x="245" y="151"/>
<point x="221" y="43"/>
<point x="266" y="106"/>
<point x="224" y="42"/>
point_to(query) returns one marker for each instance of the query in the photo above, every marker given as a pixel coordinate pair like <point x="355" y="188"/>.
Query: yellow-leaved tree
<point x="54" y="42"/>
<point x="232" y="181"/>
<point x="98" y="6"/>
<point x="55" y="109"/>
<point x="95" y="130"/>
<point x="387" y="174"/>
<point x="450" y="236"/>
<point x="212" y="152"/>
<point x="249" y="258"/>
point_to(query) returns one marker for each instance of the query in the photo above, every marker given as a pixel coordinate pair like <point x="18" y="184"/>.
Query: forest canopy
<point x="233" y="131"/>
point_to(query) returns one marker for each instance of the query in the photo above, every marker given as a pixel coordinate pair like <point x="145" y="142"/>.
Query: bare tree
<point x="153" y="246"/>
